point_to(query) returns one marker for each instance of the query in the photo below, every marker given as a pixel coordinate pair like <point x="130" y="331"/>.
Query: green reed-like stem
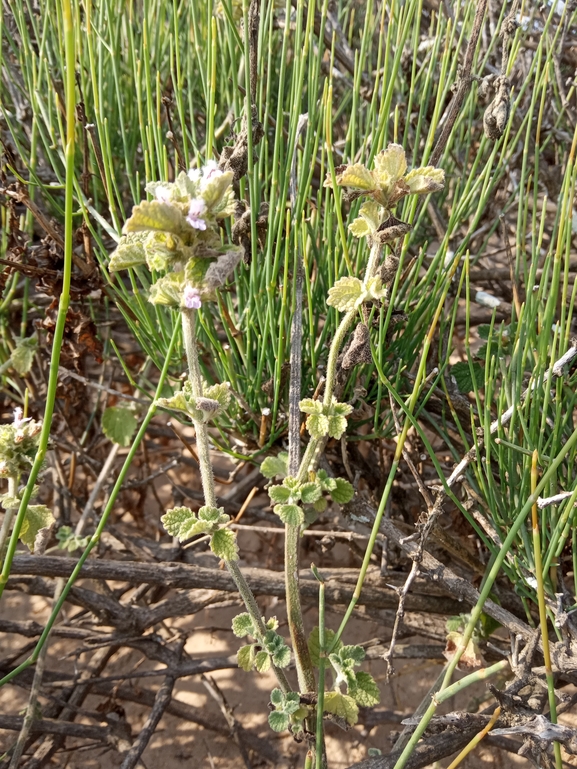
<point x="95" y="538"/>
<point x="69" y="46"/>
<point x="543" y="608"/>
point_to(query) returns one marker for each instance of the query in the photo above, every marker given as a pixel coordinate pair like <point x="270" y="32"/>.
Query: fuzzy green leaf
<point x="129" y="253"/>
<point x="318" y="425"/>
<point x="223" y="544"/>
<point x="337" y="426"/>
<point x="343" y="491"/>
<point x="310" y="492"/>
<point x="154" y="215"/>
<point x="277" y="697"/>
<point x="310" y="406"/>
<point x="219" y="393"/>
<point x="275" y="467"/>
<point x="23" y="354"/>
<point x="346" y="294"/>
<point x="168" y="290"/>
<point x="278" y="721"/>
<point x="354" y="653"/>
<point x="359" y="228"/>
<point x="245" y="657"/>
<point x="262" y="661"/>
<point x="242" y="625"/>
<point x="282" y="656"/>
<point x="290" y="514"/>
<point x="37" y="517"/>
<point x="357" y="177"/>
<point x="390" y="165"/>
<point x="365" y="692"/>
<point x="279" y="494"/>
<point x="119" y="424"/>
<point x="178" y="519"/>
<point x="422" y="181"/>
<point x="213" y="515"/>
<point x="343" y="706"/>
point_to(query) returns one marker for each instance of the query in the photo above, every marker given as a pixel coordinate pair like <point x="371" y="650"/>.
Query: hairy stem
<point x="207" y="479"/>
<point x="201" y="430"/>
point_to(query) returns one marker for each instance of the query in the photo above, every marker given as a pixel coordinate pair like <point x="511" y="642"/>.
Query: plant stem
<point x="207" y="479"/>
<point x="303" y="662"/>
<point x="320" y="763"/>
<point x="70" y="85"/>
<point x="201" y="430"/>
<point x="542" y="607"/>
<point x="103" y="520"/>
<point x="8" y="515"/>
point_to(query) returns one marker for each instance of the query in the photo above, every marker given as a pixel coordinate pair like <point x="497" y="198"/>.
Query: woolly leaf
<point x="390" y="165"/>
<point x="346" y="294"/>
<point x="275" y="467"/>
<point x="422" y="181"/>
<point x="343" y="706"/>
<point x="279" y="494"/>
<point x="219" y="393"/>
<point x="37" y="517"/>
<point x="341" y="409"/>
<point x="282" y="656"/>
<point x="242" y="625"/>
<point x="129" y="253"/>
<point x="245" y="657"/>
<point x="119" y="424"/>
<point x="176" y="402"/>
<point x="23" y="355"/>
<point x="223" y="544"/>
<point x="310" y="492"/>
<point x="337" y="426"/>
<point x="360" y="228"/>
<point x="168" y="290"/>
<point x="310" y="406"/>
<point x="215" y="188"/>
<point x="178" y="519"/>
<point x="277" y="697"/>
<point x="278" y="721"/>
<point x="213" y="515"/>
<point x="292" y="515"/>
<point x="318" y="425"/>
<point x="154" y="215"/>
<point x="357" y="177"/>
<point x="365" y="692"/>
<point x="354" y="653"/>
<point x="262" y="661"/>
<point x="343" y="491"/>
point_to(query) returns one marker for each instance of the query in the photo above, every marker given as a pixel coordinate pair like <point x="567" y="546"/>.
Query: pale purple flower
<point x="191" y="297"/>
<point x="162" y="194"/>
<point x="195" y="213"/>
<point x="194" y="174"/>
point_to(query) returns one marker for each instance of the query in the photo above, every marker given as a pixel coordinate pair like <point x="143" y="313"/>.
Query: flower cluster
<point x="386" y="184"/>
<point x="18" y="445"/>
<point x="177" y="234"/>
